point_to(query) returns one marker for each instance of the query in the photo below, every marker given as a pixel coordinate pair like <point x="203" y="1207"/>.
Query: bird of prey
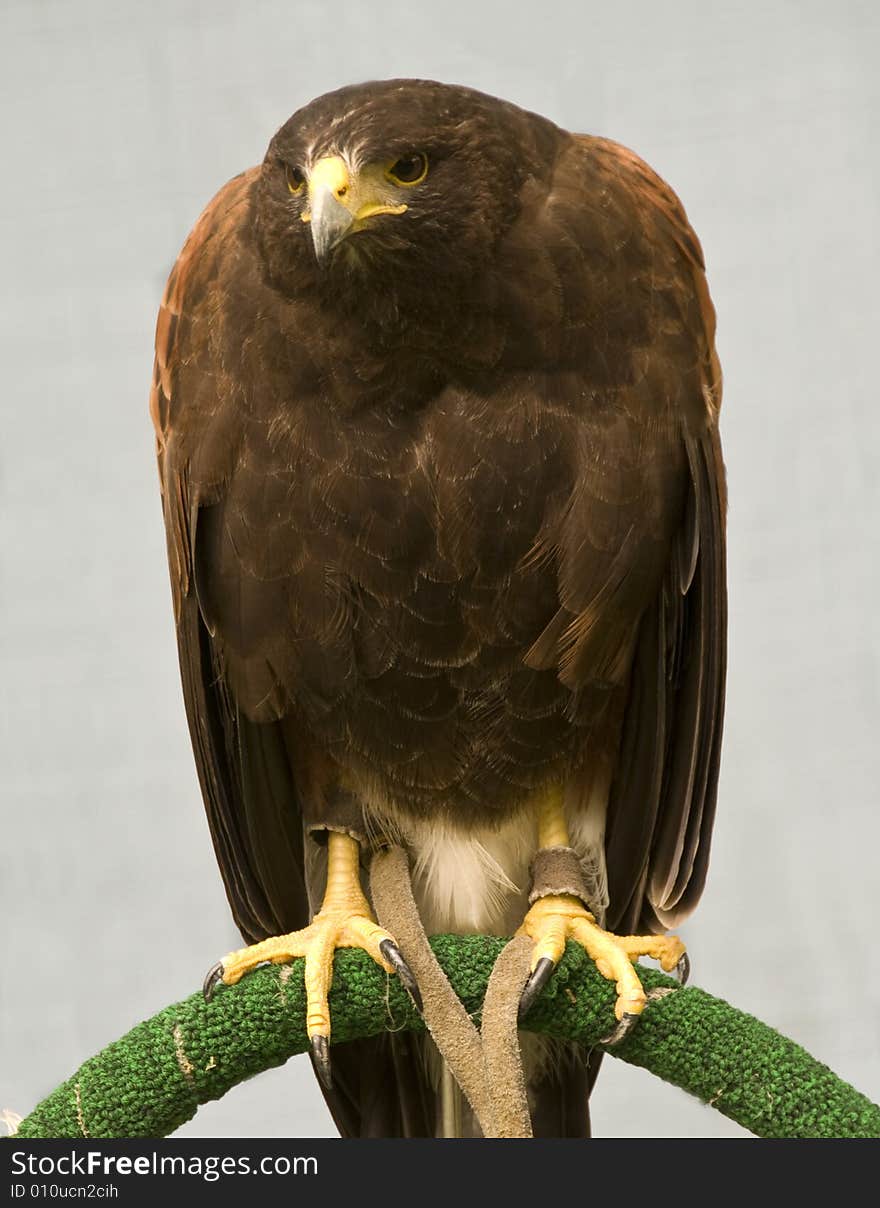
<point x="436" y="401"/>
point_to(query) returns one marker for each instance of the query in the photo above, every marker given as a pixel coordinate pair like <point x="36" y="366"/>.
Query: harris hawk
<point x="436" y="403"/>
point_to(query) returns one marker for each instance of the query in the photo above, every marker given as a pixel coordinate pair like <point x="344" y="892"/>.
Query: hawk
<point x="436" y="402"/>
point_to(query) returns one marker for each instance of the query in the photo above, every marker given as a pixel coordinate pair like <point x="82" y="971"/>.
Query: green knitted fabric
<point x="152" y="1080"/>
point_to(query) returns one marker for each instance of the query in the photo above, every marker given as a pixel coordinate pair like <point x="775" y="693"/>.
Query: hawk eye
<point x="295" y="179"/>
<point x="408" y="170"/>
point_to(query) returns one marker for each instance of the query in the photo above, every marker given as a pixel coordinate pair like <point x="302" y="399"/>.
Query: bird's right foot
<point x="345" y="920"/>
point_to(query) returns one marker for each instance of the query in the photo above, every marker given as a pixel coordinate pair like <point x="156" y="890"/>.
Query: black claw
<point x="320" y="1046"/>
<point x="683" y="970"/>
<point x="626" y="1024"/>
<point x="212" y="979"/>
<point x="393" y="956"/>
<point x="540" y="975"/>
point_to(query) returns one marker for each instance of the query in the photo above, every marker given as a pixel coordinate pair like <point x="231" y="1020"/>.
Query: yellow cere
<point x="330" y="173"/>
<point x="363" y="196"/>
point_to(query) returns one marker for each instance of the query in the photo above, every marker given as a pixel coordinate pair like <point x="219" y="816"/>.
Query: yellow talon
<point x="345" y="920"/>
<point x="555" y="918"/>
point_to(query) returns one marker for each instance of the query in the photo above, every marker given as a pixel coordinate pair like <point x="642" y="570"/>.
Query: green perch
<point x="152" y="1080"/>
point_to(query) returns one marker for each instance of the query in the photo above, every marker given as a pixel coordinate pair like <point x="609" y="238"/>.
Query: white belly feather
<point x="478" y="881"/>
<point x="475" y="882"/>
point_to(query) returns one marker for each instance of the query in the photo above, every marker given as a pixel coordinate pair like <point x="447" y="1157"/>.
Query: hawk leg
<point x="345" y="920"/>
<point x="558" y="914"/>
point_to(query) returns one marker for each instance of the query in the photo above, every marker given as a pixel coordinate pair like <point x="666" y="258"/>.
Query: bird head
<point x="396" y="190"/>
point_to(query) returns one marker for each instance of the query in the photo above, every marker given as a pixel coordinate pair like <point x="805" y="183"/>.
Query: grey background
<point x="120" y="120"/>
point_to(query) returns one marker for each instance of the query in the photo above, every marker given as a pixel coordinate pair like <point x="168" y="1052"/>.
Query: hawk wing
<point x="664" y="785"/>
<point x="246" y="778"/>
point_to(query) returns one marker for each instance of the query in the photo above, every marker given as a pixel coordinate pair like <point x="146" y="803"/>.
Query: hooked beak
<point x="338" y="205"/>
<point x="331" y="222"/>
<point x="331" y="218"/>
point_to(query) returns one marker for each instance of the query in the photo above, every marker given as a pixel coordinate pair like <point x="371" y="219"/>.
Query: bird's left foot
<point x="558" y="917"/>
